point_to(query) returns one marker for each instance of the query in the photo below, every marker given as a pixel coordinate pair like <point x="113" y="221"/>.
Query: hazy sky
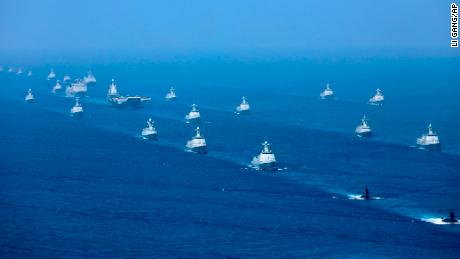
<point x="232" y="25"/>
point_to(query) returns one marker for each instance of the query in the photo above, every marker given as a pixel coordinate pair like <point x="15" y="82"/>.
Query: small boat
<point x="57" y="87"/>
<point x="363" y="130"/>
<point x="10" y="70"/>
<point x="171" y="95"/>
<point x="194" y="115"/>
<point x="451" y="219"/>
<point x="51" y="75"/>
<point x="19" y="72"/>
<point x="1" y="69"/>
<point x="150" y="132"/>
<point x="197" y="144"/>
<point x="243" y="107"/>
<point x="266" y="159"/>
<point x="77" y="109"/>
<point x="29" y="97"/>
<point x="29" y="74"/>
<point x="377" y="99"/>
<point x="327" y="93"/>
<point x="429" y="140"/>
<point x="66" y="79"/>
<point x="89" y="78"/>
<point x="121" y="101"/>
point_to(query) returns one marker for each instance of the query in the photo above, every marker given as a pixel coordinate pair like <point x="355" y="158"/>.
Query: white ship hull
<point x="268" y="166"/>
<point x="197" y="146"/>
<point x="89" y="81"/>
<point x="265" y="166"/>
<point x="242" y="109"/>
<point x="76" y="111"/>
<point x="149" y="134"/>
<point x="76" y="114"/>
<point x="193" y="120"/>
<point x="377" y="103"/>
<point x="170" y="97"/>
<point x="129" y="101"/>
<point x="326" y="96"/>
<point x="433" y="147"/>
<point x="79" y="90"/>
<point x="266" y="162"/>
<point x="430" y="140"/>
<point x="199" y="149"/>
<point x="56" y="89"/>
<point x="193" y="117"/>
<point x="363" y="132"/>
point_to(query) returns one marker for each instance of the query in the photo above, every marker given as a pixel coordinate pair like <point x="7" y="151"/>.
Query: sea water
<point x="92" y="187"/>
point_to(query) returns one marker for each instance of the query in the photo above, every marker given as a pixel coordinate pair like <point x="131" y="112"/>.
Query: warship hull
<point x="151" y="136"/>
<point x="76" y="114"/>
<point x="327" y="97"/>
<point x="267" y="166"/>
<point x="193" y="120"/>
<point x="127" y="102"/>
<point x="364" y="134"/>
<point x="199" y="150"/>
<point x="432" y="147"/>
<point x="376" y="103"/>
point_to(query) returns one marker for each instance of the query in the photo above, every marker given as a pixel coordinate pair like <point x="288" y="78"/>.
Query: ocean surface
<point x="92" y="187"/>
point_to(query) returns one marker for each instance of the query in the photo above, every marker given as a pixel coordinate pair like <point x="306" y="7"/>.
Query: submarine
<point x="451" y="218"/>
<point x="366" y="195"/>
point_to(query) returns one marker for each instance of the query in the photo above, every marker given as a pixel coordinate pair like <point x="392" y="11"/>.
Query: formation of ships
<point x="265" y="160"/>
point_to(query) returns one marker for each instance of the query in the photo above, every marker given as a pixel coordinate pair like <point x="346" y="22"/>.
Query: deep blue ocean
<point x="92" y="187"/>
